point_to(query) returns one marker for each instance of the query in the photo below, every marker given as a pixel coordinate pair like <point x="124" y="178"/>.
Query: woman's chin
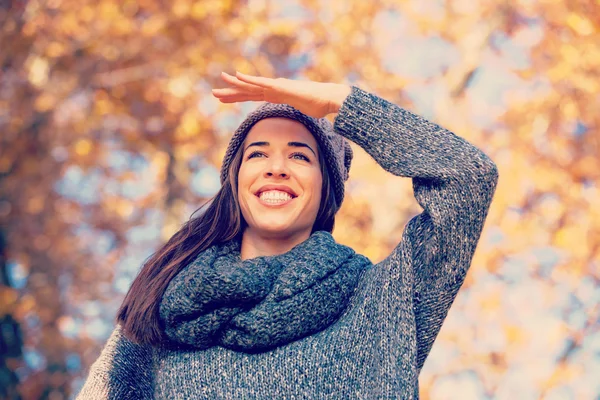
<point x="275" y="228"/>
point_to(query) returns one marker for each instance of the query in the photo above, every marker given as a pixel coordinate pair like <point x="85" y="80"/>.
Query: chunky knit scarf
<point x="258" y="304"/>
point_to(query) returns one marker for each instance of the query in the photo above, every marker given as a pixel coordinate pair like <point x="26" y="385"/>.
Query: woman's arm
<point x="122" y="371"/>
<point x="454" y="183"/>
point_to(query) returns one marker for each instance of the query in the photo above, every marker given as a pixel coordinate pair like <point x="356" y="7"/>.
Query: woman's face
<point x="280" y="181"/>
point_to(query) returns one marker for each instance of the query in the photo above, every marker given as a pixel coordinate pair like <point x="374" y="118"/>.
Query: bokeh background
<point x="110" y="139"/>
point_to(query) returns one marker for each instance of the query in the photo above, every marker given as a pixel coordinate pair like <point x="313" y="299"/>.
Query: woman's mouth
<point x="274" y="198"/>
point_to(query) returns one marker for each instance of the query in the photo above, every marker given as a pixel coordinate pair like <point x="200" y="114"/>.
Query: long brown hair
<point x="222" y="221"/>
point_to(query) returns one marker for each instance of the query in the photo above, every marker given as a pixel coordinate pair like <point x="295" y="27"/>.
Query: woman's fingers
<point x="231" y="95"/>
<point x="245" y="88"/>
<point x="227" y="92"/>
<point x="239" y="98"/>
<point x="316" y="99"/>
<point x="255" y="80"/>
<point x="238" y="83"/>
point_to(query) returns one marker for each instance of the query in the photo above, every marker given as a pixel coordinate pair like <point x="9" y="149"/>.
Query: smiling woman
<point x="255" y="299"/>
<point x="279" y="186"/>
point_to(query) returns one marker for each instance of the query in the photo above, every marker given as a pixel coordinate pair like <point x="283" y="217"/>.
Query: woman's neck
<point x="256" y="245"/>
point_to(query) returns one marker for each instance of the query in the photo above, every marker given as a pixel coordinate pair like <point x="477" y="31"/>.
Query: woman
<point x="254" y="299"/>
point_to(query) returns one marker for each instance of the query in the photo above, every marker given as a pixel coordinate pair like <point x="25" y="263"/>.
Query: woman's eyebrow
<point x="300" y="144"/>
<point x="292" y="144"/>
<point x="256" y="144"/>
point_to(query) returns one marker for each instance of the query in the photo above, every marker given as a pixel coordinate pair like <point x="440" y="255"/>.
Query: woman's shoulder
<point x="121" y="344"/>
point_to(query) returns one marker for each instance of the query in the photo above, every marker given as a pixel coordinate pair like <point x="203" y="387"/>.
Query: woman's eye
<point x="255" y="153"/>
<point x="298" y="156"/>
<point x="302" y="156"/>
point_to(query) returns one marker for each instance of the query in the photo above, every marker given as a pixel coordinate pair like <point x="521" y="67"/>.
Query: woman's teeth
<point x="275" y="196"/>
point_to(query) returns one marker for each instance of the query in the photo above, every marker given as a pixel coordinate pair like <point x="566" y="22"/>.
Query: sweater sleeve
<point x="122" y="371"/>
<point x="453" y="181"/>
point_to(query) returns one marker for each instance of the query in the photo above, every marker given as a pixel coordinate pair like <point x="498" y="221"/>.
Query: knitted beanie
<point x="335" y="149"/>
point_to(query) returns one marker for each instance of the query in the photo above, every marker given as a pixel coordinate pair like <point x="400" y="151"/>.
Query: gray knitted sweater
<point x="378" y="346"/>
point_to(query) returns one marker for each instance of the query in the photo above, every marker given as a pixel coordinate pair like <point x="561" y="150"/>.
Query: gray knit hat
<point x="336" y="150"/>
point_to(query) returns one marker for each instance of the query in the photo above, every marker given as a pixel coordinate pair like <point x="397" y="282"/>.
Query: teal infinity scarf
<point x="262" y="303"/>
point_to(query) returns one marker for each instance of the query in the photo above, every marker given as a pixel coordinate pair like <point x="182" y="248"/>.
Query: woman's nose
<point x="277" y="167"/>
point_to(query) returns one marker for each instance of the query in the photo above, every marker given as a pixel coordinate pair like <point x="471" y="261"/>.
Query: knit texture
<point x="377" y="347"/>
<point x="336" y="150"/>
<point x="262" y="303"/>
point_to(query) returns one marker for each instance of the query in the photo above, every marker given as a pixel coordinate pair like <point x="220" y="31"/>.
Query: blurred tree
<point x="11" y="343"/>
<point x="78" y="84"/>
<point x="557" y="130"/>
<point x="107" y="121"/>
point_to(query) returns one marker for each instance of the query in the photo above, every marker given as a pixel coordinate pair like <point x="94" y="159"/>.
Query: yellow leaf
<point x="180" y="8"/>
<point x="124" y="208"/>
<point x="199" y="10"/>
<point x="83" y="147"/>
<point x="573" y="238"/>
<point x="87" y="14"/>
<point x="513" y="333"/>
<point x="44" y="102"/>
<point x="123" y="26"/>
<point x="180" y="86"/>
<point x="153" y="25"/>
<point x="491" y="303"/>
<point x="38" y="71"/>
<point x="108" y="10"/>
<point x="580" y="24"/>
<point x="55" y="49"/>
<point x="189" y="124"/>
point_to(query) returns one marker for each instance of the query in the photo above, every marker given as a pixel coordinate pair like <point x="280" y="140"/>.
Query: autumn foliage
<point x="110" y="139"/>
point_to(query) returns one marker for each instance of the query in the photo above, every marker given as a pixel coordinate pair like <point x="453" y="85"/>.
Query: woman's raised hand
<point x="311" y="98"/>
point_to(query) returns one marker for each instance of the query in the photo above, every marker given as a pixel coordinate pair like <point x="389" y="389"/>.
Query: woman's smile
<point x="275" y="198"/>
